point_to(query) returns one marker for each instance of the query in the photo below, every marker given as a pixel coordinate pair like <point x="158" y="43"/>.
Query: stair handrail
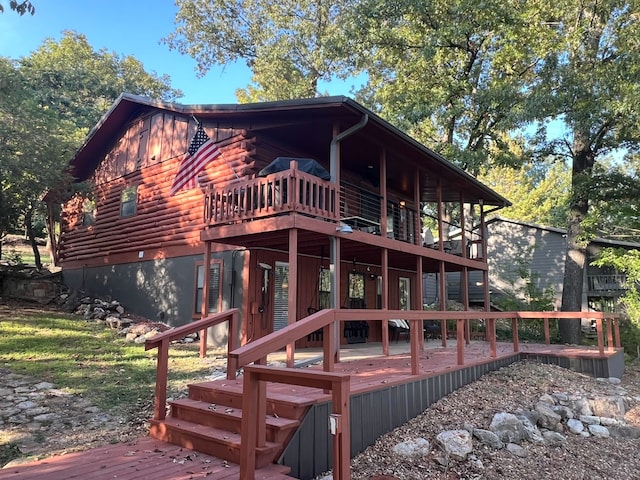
<point x="164" y="339"/>
<point x="257" y="350"/>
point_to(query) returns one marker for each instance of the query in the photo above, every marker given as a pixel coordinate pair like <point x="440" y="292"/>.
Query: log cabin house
<point x="312" y="204"/>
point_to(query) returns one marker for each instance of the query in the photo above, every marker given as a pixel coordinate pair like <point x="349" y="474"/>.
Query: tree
<point x="590" y="82"/>
<point x="34" y="143"/>
<point x="452" y="73"/>
<point x="539" y="190"/>
<point x="289" y="45"/>
<point x="20" y="8"/>
<point x="82" y="83"/>
<point x="50" y="100"/>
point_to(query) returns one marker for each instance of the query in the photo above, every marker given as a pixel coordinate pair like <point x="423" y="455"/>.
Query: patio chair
<point x="397" y="328"/>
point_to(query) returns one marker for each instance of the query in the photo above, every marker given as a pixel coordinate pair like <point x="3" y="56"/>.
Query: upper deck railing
<point x="277" y="193"/>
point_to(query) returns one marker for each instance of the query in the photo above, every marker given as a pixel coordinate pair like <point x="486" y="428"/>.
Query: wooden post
<point x="609" y="334"/>
<point x="328" y="346"/>
<point x="160" y="406"/>
<point x="419" y="287"/>
<point x="248" y="431"/>
<point x="293" y="286"/>
<point x="385" y="301"/>
<point x="616" y="330"/>
<point x="547" y="333"/>
<point x="341" y="441"/>
<point x="415" y="335"/>
<point x="492" y="337"/>
<point x="514" y="331"/>
<point x="460" y="340"/>
<point x="600" y="337"/>
<point x="204" y="309"/>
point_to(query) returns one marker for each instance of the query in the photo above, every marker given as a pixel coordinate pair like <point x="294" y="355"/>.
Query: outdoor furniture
<point x="397" y="328"/>
<point x="432" y="329"/>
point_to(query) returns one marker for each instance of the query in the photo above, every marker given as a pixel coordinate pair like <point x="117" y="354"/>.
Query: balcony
<point x="294" y="191"/>
<point x="281" y="193"/>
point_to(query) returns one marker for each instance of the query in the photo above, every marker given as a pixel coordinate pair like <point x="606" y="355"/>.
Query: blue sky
<point x="133" y="27"/>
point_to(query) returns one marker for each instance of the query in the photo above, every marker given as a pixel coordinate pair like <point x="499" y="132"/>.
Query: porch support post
<point x="418" y="297"/>
<point x="204" y="308"/>
<point x="464" y="274"/>
<point x="292" y="290"/>
<point x="485" y="273"/>
<point x="384" y="260"/>
<point x="385" y="300"/>
<point x="334" y="241"/>
<point x="443" y="272"/>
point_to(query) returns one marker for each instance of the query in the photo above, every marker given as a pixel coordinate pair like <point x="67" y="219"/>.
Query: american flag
<point x="201" y="151"/>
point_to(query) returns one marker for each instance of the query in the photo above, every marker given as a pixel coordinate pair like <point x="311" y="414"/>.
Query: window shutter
<point x="281" y="300"/>
<point x="214" y="289"/>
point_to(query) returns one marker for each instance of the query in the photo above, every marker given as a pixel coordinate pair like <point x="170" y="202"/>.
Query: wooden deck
<point x="370" y="372"/>
<point x="144" y="459"/>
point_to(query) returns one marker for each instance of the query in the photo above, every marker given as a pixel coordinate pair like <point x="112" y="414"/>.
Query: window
<point x="88" y="212"/>
<point x="128" y="200"/>
<point x="214" y="300"/>
<point x="324" y="289"/>
<point x="356" y="290"/>
<point x="405" y="293"/>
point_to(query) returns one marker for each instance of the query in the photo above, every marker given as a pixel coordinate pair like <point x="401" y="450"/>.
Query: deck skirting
<point x="376" y="412"/>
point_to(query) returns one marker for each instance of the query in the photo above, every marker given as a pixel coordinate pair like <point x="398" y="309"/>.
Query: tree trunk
<point x="572" y="288"/>
<point x="28" y="218"/>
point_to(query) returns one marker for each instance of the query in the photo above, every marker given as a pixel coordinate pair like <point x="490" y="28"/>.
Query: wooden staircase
<point x="209" y="421"/>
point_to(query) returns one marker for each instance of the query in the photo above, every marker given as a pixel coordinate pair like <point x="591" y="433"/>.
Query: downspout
<point x="335" y="266"/>
<point x="333" y="151"/>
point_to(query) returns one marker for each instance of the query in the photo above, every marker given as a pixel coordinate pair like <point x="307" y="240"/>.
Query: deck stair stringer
<point x="209" y="421"/>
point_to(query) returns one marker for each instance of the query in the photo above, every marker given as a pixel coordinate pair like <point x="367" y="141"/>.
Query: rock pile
<point x="112" y="314"/>
<point x="554" y="417"/>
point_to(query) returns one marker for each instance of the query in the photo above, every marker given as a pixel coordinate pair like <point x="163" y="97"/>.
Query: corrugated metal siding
<point x="373" y="414"/>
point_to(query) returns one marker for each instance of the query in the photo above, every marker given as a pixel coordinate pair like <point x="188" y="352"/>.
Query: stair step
<point x="223" y="417"/>
<point x="274" y="471"/>
<point x="284" y="406"/>
<point x="212" y="441"/>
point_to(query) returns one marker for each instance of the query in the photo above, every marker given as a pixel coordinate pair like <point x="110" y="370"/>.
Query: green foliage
<point x="452" y="74"/>
<point x="289" y="45"/>
<point x="81" y="83"/>
<point x="627" y="262"/>
<point x="539" y="191"/>
<point x="48" y="102"/>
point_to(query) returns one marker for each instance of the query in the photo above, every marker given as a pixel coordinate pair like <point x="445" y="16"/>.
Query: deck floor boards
<point x="147" y="458"/>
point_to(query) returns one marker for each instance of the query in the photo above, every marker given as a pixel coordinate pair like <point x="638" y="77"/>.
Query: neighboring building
<point x="340" y="226"/>
<point x="541" y="252"/>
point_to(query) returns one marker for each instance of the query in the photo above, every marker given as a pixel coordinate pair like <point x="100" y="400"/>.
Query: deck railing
<point x="163" y="341"/>
<point x="275" y="194"/>
<point x="254" y="400"/>
<point x="329" y="321"/>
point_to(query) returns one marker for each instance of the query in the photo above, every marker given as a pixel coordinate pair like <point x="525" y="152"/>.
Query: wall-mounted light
<point x="402" y="203"/>
<point x="344" y="228"/>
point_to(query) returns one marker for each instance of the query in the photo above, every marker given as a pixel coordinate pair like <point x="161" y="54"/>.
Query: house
<point x="310" y="204"/>
<point x="541" y="251"/>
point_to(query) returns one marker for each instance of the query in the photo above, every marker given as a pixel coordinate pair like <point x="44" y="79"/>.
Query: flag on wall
<point x="201" y="151"/>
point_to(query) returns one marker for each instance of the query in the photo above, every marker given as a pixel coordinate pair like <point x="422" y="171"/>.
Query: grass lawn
<point x="87" y="359"/>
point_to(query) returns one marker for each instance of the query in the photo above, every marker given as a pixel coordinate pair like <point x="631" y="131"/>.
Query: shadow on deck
<point x="384" y="395"/>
